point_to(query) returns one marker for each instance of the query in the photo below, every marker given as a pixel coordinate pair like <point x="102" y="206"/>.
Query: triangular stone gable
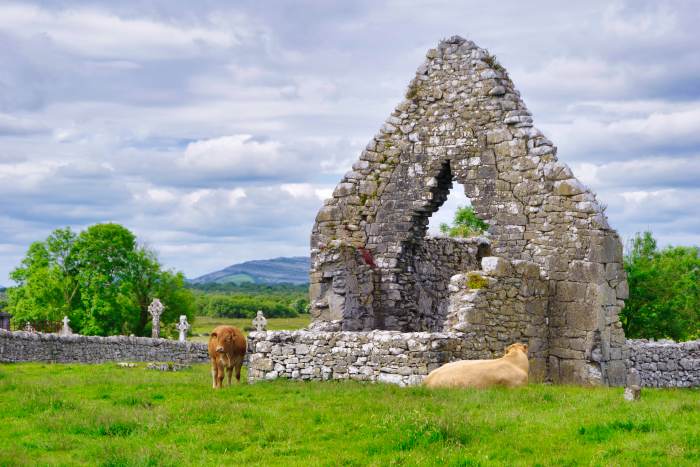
<point x="462" y="120"/>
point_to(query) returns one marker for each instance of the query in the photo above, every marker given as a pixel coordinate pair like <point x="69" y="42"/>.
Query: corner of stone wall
<point x="503" y="303"/>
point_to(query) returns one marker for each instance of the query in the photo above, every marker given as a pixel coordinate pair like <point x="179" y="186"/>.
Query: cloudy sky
<point x="213" y="130"/>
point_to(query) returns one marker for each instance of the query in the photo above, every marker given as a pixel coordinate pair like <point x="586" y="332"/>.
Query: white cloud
<point x="241" y="156"/>
<point x="307" y="190"/>
<point x="98" y="34"/>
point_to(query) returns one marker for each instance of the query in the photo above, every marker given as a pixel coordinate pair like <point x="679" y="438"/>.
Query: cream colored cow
<point x="510" y="371"/>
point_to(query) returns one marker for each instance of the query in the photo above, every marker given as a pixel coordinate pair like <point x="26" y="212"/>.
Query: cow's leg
<point x="238" y="364"/>
<point x="229" y="373"/>
<point x="220" y="374"/>
<point x="213" y="373"/>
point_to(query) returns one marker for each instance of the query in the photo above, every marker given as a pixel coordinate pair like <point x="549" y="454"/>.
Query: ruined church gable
<point x="463" y="121"/>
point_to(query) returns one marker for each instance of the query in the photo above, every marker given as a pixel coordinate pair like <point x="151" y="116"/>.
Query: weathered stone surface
<point x="373" y="267"/>
<point x="20" y="346"/>
<point x="665" y="364"/>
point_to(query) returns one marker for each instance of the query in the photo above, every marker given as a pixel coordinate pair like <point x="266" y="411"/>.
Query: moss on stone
<point x="413" y="91"/>
<point x="476" y="281"/>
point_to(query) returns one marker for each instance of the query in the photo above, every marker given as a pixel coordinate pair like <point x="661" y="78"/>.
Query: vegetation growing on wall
<point x="664" y="285"/>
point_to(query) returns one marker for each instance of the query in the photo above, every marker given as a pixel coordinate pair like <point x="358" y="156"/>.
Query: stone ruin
<point x="549" y="272"/>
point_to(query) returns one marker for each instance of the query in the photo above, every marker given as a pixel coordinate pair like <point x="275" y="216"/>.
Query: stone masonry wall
<point x="406" y="358"/>
<point x="462" y="120"/>
<point x="20" y="346"/>
<point x="384" y="356"/>
<point x="666" y="363"/>
<point x="503" y="303"/>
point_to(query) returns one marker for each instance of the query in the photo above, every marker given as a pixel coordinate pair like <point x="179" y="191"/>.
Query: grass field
<point x="105" y="415"/>
<point x="205" y="324"/>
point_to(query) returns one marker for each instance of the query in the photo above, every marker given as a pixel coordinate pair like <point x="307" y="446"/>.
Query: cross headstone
<point x="260" y="322"/>
<point x="65" y="330"/>
<point x="156" y="309"/>
<point x="183" y="326"/>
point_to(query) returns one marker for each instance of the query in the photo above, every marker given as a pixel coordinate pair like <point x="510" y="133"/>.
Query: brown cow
<point x="510" y="370"/>
<point x="226" y="349"/>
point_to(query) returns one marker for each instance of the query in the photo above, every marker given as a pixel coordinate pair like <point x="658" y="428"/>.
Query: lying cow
<point x="510" y="371"/>
<point x="226" y="350"/>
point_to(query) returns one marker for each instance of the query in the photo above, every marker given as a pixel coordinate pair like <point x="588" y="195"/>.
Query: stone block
<point x="569" y="187"/>
<point x="495" y="266"/>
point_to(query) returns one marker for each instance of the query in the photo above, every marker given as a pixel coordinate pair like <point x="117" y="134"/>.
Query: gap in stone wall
<point x="446" y="213"/>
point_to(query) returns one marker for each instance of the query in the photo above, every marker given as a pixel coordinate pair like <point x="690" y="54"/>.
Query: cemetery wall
<point x="406" y="358"/>
<point x="20" y="346"/>
<point x="666" y="363"/>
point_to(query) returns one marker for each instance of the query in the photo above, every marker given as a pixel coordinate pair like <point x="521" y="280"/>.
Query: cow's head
<point x="517" y="347"/>
<point x="221" y="340"/>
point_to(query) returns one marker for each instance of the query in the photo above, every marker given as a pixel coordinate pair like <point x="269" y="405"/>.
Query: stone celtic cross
<point x="156" y="309"/>
<point x="183" y="326"/>
<point x="260" y="322"/>
<point x="66" y="330"/>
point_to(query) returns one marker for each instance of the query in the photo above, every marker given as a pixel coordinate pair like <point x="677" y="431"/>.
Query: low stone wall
<point x="22" y="346"/>
<point x="406" y="358"/>
<point x="666" y="364"/>
<point x="385" y="356"/>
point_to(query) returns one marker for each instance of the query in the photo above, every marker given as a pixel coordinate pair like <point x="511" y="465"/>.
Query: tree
<point x="47" y="278"/>
<point x="465" y="224"/>
<point x="100" y="278"/>
<point x="664" y="285"/>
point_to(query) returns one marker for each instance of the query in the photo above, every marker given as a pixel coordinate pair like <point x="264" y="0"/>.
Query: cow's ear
<point x="213" y="334"/>
<point x="525" y="347"/>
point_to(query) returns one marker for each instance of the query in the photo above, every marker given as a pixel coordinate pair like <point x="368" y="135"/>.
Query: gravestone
<point x="65" y="330"/>
<point x="156" y="309"/>
<point x="260" y="322"/>
<point x="183" y="326"/>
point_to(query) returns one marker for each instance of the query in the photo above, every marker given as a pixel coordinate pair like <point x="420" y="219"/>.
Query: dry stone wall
<point x="463" y="120"/>
<point x="383" y="356"/>
<point x="666" y="364"/>
<point x="22" y="346"/>
<point x="406" y="358"/>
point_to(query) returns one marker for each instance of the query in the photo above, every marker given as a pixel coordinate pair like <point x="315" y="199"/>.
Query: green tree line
<point x="244" y="300"/>
<point x="246" y="306"/>
<point x="100" y="278"/>
<point x="664" y="286"/>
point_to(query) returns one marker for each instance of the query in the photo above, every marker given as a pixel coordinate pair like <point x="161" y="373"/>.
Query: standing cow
<point x="226" y="350"/>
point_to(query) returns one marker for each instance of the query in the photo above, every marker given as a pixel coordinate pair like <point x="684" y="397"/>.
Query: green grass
<point x="205" y="324"/>
<point x="105" y="415"/>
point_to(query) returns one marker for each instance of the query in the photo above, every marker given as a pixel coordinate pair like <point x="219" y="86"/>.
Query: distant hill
<point x="292" y="270"/>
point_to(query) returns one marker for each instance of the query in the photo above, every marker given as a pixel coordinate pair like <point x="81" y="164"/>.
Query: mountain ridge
<point x="280" y="270"/>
